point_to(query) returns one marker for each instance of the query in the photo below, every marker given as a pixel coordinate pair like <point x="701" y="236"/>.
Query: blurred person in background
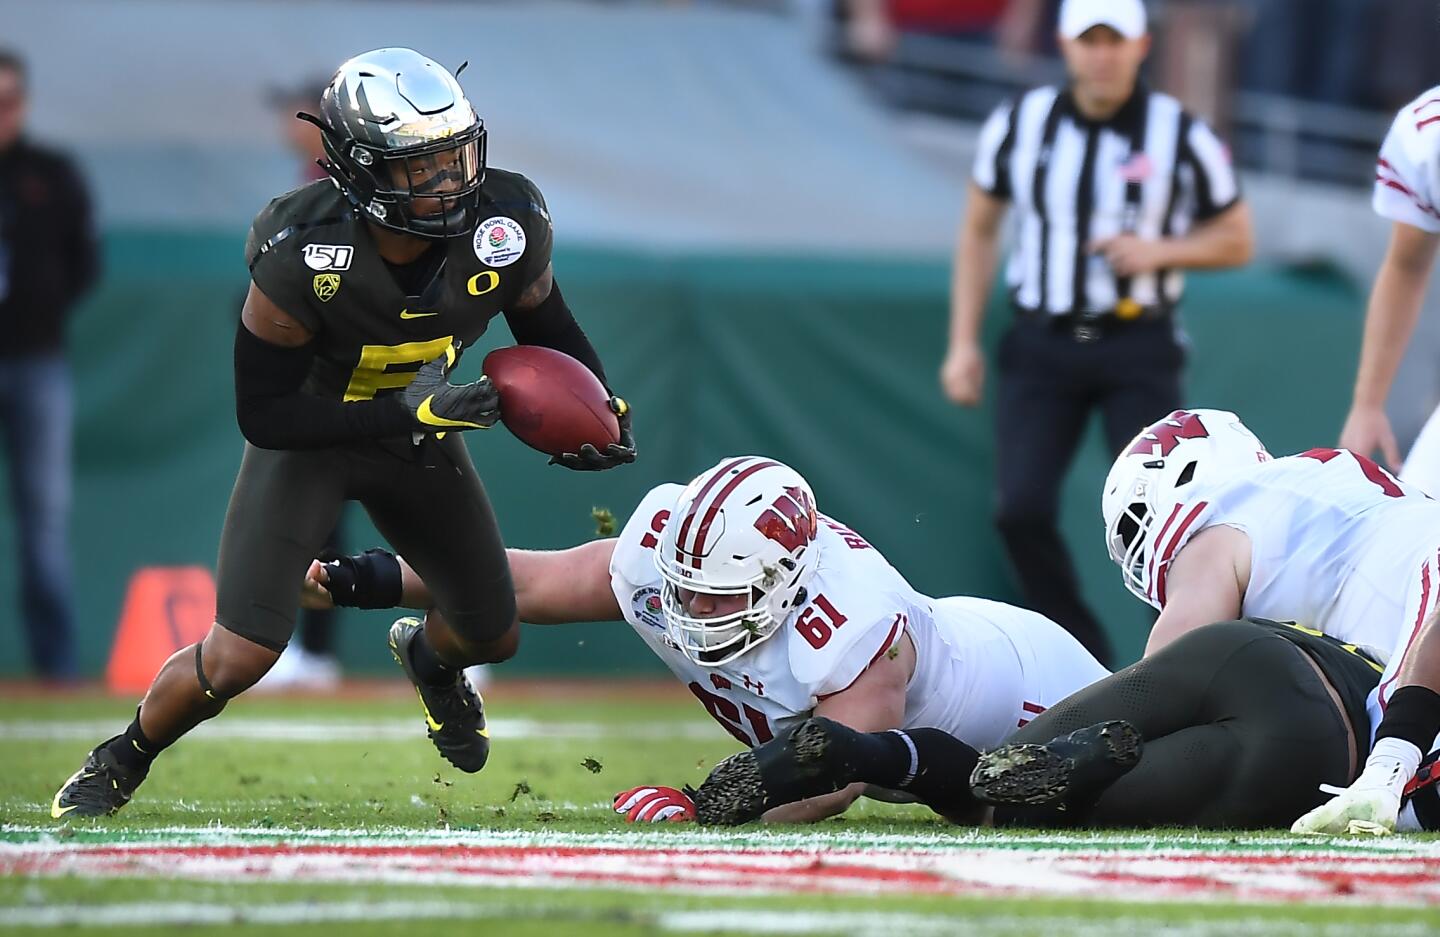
<point x="308" y="662"/>
<point x="1017" y="27"/>
<point x="48" y="260"/>
<point x="1310" y="49"/>
<point x="1116" y="189"/>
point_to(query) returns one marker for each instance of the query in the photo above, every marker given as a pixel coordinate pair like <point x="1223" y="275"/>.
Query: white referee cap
<point x="1126" y="17"/>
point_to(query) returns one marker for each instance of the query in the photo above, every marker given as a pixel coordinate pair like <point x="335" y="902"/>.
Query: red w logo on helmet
<point x="1166" y="435"/>
<point x="791" y="521"/>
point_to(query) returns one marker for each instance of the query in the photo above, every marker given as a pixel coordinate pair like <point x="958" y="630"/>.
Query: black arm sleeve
<point x="274" y="413"/>
<point x="553" y="325"/>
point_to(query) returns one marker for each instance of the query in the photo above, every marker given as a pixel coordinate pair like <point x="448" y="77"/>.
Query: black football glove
<point x="590" y="459"/>
<point x="437" y="405"/>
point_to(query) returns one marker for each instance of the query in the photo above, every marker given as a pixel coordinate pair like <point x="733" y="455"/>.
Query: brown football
<point x="550" y="401"/>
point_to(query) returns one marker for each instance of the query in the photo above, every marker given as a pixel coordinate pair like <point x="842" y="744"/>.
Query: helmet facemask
<point x="742" y="534"/>
<point x="431" y="190"/>
<point x="1155" y="476"/>
<point x="404" y="144"/>
<point x="718" y="639"/>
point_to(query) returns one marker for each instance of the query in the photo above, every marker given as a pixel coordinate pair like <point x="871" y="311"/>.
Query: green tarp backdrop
<point x="829" y="364"/>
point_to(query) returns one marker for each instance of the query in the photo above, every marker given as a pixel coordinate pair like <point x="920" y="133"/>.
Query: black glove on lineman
<point x="436" y="404"/>
<point x="590" y="459"/>
<point x="366" y="580"/>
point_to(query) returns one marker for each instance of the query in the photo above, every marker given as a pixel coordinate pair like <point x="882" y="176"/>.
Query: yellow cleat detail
<point x="429" y="719"/>
<point x="56" y="811"/>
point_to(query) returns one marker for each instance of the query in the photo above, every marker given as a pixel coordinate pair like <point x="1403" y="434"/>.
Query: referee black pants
<point x="1048" y="384"/>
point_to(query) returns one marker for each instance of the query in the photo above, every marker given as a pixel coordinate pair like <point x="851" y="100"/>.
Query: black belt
<point x="1090" y="326"/>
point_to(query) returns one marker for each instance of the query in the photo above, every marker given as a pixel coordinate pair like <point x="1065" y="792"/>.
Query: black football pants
<point x="426" y="500"/>
<point x="1239" y="733"/>
<point x="1048" y="385"/>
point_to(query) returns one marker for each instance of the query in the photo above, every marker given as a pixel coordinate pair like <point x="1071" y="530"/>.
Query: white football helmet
<point x="745" y="527"/>
<point x="1147" y="485"/>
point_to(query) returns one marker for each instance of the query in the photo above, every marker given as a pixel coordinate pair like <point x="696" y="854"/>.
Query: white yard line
<point x="338" y="730"/>
<point x="1158" y="844"/>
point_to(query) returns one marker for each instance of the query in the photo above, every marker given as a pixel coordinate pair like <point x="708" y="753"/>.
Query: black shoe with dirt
<point x="1065" y="770"/>
<point x="745" y="785"/>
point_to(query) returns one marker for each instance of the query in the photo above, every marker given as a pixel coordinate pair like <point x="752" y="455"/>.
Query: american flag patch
<point x="1137" y="168"/>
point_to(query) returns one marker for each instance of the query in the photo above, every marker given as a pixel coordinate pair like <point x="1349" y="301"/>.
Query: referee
<point x="1116" y="189"/>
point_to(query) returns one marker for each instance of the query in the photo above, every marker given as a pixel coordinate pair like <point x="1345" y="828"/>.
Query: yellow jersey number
<point x="373" y="373"/>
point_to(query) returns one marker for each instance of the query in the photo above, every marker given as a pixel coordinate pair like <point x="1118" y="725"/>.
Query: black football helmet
<point x="403" y="143"/>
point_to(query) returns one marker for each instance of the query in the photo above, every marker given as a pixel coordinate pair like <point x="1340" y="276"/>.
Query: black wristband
<point x="367" y="580"/>
<point x="1413" y="714"/>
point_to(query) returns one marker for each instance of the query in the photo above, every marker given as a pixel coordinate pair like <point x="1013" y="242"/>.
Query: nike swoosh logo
<point x="57" y="811"/>
<point x="407" y="314"/>
<point x="430" y="418"/>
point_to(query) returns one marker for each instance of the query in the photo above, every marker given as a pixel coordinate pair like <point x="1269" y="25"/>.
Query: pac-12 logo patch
<point x="328" y="256"/>
<point x="646" y="603"/>
<point x="499" y="241"/>
<point x="326" y="286"/>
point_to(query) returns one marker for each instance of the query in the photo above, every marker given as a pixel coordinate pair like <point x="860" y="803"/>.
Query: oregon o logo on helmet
<point x="499" y="241"/>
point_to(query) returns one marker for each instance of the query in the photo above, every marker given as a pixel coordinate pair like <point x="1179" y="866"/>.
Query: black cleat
<point x="100" y="788"/>
<point x="454" y="714"/>
<point x="1063" y="770"/>
<point x="745" y="785"/>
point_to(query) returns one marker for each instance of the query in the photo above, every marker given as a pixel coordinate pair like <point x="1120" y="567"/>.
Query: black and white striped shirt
<point x="1152" y="170"/>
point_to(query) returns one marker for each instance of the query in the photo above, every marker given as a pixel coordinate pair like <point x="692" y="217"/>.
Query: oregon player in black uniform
<point x="1234" y="725"/>
<point x="366" y="289"/>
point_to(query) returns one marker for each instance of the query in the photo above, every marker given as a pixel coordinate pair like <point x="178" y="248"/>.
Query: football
<point x="550" y="401"/>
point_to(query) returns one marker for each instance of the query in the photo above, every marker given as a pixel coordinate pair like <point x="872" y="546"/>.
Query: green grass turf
<point x="531" y="784"/>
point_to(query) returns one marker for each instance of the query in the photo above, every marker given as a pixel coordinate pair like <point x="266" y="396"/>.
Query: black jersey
<point x="311" y="253"/>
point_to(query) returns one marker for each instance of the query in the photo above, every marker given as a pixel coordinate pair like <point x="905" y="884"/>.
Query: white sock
<point x="1392" y="761"/>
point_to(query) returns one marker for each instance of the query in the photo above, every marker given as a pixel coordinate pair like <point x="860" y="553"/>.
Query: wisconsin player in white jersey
<point x="1205" y="525"/>
<point x="770" y="612"/>
<point x="1407" y="192"/>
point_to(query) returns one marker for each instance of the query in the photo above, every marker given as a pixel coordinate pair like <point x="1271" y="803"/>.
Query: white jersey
<point x="1407" y="176"/>
<point x="1336" y="544"/>
<point x="982" y="668"/>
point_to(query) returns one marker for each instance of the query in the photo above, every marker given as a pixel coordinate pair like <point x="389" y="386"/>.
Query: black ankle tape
<point x="200" y="675"/>
<point x="132" y="748"/>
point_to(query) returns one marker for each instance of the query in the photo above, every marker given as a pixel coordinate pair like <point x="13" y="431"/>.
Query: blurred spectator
<point x="48" y="261"/>
<point x="1312" y="49"/>
<point x="1115" y="189"/>
<point x="308" y="662"/>
<point x="872" y="28"/>
<point x="1196" y="55"/>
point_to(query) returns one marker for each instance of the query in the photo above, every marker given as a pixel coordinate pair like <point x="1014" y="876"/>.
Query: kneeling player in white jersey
<point x="770" y="612"/>
<point x="1205" y="525"/>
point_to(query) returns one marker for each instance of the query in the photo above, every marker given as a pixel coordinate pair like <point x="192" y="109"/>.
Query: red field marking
<point x="1145" y="876"/>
